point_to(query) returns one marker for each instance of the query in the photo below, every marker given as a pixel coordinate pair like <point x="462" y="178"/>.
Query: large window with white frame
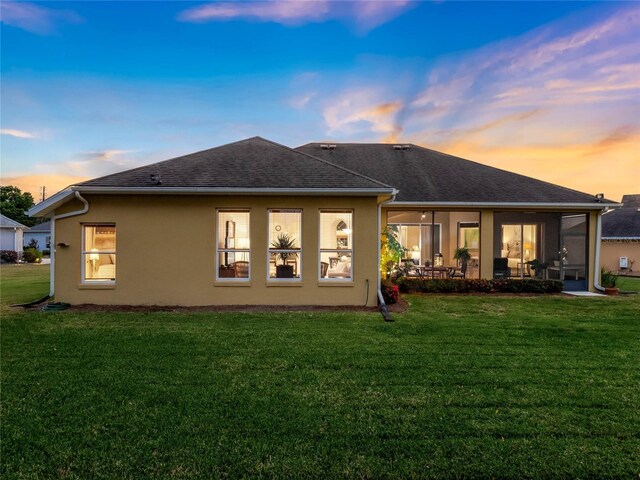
<point x="233" y="245"/>
<point x="336" y="245"/>
<point x="285" y="245"/>
<point x="99" y="253"/>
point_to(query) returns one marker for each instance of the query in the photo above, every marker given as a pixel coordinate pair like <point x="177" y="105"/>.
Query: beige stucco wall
<point x="610" y="253"/>
<point x="166" y="252"/>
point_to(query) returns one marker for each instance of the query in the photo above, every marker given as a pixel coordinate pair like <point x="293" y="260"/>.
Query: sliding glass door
<point x="520" y="244"/>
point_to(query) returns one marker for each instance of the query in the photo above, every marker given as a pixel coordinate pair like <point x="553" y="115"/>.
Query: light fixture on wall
<point x="423" y="216"/>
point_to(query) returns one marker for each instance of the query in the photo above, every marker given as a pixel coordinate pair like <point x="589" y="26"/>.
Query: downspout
<point x="596" y="274"/>
<point x="383" y="305"/>
<point x="52" y="252"/>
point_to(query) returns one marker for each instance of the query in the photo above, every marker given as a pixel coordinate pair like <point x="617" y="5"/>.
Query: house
<point x="11" y="234"/>
<point x="620" y="249"/>
<point x="41" y="233"/>
<point x="255" y="222"/>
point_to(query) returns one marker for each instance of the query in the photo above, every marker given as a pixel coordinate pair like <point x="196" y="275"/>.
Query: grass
<point x="22" y="283"/>
<point x="457" y="387"/>
<point x="629" y="284"/>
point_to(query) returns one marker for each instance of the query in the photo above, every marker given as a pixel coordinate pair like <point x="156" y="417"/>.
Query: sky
<point x="546" y="89"/>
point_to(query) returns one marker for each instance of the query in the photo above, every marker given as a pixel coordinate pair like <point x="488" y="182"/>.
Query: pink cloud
<point x="34" y="18"/>
<point x="366" y="14"/>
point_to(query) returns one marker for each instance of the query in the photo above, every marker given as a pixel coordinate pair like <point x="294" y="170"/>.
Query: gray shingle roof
<point x="623" y="222"/>
<point x="423" y="175"/>
<point x="6" y="222"/>
<point x="251" y="163"/>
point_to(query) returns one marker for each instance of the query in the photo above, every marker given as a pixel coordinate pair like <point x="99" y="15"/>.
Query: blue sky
<point x="548" y="89"/>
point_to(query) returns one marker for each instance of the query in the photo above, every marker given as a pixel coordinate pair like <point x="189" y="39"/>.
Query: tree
<point x="14" y="204"/>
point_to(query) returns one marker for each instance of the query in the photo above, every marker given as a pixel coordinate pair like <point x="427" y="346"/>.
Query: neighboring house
<point x="11" y="234"/>
<point x="255" y="222"/>
<point x="620" y="249"/>
<point x="41" y="233"/>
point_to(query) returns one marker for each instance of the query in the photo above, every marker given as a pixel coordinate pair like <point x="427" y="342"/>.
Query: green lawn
<point x="629" y="284"/>
<point x="457" y="387"/>
<point x="23" y="283"/>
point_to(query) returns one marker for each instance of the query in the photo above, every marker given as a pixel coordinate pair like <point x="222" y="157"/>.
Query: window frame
<point x="96" y="281"/>
<point x="276" y="280"/>
<point x="321" y="250"/>
<point x="219" y="250"/>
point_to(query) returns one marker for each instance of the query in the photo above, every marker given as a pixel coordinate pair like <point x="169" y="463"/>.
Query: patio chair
<point x="461" y="274"/>
<point x="501" y="267"/>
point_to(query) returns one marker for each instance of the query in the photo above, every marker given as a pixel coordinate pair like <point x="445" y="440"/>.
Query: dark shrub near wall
<point x="453" y="285"/>
<point x="8" y="256"/>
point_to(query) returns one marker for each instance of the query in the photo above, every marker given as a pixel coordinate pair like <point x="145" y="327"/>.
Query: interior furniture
<point x="294" y="264"/>
<point x="324" y="267"/>
<point x="454" y="272"/>
<point x="240" y="269"/>
<point x="340" y="270"/>
<point x="501" y="267"/>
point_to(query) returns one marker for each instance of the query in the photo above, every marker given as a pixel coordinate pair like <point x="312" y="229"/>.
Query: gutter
<point x="383" y="306"/>
<point x="506" y="204"/>
<point x="61" y="197"/>
<point x="52" y="251"/>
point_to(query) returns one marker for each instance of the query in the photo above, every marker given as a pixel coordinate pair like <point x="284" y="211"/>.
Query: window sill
<point x="284" y="284"/>
<point x="223" y="283"/>
<point x="97" y="286"/>
<point x="336" y="283"/>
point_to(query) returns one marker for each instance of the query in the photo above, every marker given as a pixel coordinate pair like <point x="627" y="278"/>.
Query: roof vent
<point x="599" y="197"/>
<point x="401" y="147"/>
<point x="324" y="146"/>
<point x="155" y="178"/>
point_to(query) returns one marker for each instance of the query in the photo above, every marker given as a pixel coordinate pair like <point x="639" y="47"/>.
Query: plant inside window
<point x="283" y="244"/>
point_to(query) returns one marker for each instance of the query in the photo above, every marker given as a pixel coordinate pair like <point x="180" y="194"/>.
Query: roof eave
<point x="582" y="206"/>
<point x="50" y="204"/>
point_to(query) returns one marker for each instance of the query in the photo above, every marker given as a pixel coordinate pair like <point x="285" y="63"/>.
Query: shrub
<point x="390" y="292"/>
<point x="32" y="255"/>
<point x="8" y="256"/>
<point x="33" y="244"/>
<point x="455" y="285"/>
<point x="608" y="279"/>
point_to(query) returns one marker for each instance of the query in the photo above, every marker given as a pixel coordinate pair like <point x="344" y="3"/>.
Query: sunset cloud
<point x="557" y="103"/>
<point x="366" y="14"/>
<point x="35" y="18"/>
<point x="17" y="133"/>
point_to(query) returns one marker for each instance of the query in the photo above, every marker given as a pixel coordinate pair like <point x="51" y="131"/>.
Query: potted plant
<point x="284" y="242"/>
<point x="462" y="255"/>
<point x="609" y="280"/>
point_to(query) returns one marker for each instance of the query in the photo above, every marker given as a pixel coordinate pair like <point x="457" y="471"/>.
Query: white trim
<point x="505" y="204"/>
<point x="608" y="239"/>
<point x="234" y="250"/>
<point x="51" y="203"/>
<point x="350" y="250"/>
<point x="284" y="281"/>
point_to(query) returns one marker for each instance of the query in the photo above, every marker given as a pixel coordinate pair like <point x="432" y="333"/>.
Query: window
<point x="233" y="245"/>
<point x="519" y="246"/>
<point x="99" y="253"/>
<point x="336" y="245"/>
<point x="285" y="244"/>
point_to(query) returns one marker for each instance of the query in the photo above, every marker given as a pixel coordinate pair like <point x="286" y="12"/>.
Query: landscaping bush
<point x="8" y="256"/>
<point x="390" y="292"/>
<point x="32" y="255"/>
<point x="455" y="285"/>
